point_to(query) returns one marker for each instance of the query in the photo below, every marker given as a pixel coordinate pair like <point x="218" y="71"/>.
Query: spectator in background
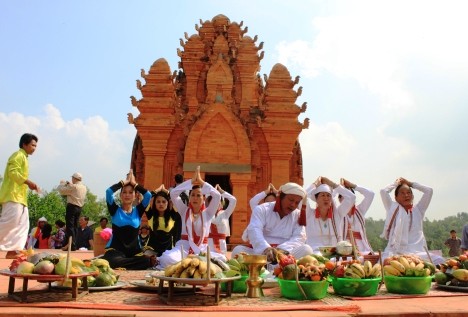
<point x="84" y="235"/>
<point x="44" y="239"/>
<point x="36" y="232"/>
<point x="59" y="236"/>
<point x="464" y="238"/>
<point x="453" y="243"/>
<point x="102" y="225"/>
<point x="179" y="179"/>
<point x="76" y="195"/>
<point x="14" y="220"/>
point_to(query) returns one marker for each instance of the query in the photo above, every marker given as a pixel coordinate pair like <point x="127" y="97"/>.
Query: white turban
<point x="293" y="189"/>
<point x="323" y="188"/>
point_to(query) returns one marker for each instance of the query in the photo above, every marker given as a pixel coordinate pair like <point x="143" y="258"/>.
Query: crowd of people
<point x="194" y="214"/>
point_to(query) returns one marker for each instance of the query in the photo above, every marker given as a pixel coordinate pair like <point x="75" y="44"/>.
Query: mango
<point x="461" y="275"/>
<point x="25" y="267"/>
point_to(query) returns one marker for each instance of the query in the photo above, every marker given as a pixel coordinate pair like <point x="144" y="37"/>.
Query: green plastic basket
<point x="238" y="286"/>
<point x="407" y="285"/>
<point x="356" y="287"/>
<point x="313" y="290"/>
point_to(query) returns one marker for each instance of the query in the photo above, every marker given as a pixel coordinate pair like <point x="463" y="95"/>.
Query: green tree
<point x="50" y="205"/>
<point x="93" y="208"/>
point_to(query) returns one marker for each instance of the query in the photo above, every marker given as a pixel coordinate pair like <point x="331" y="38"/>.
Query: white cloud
<point x="88" y="146"/>
<point x="374" y="42"/>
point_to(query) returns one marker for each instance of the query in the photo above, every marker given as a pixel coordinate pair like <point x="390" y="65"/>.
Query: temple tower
<point x="217" y="112"/>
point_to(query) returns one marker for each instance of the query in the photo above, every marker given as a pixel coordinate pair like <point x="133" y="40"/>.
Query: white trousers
<point x="174" y="255"/>
<point x="222" y="245"/>
<point x="14" y="226"/>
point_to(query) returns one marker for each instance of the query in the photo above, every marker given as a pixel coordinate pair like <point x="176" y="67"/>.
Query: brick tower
<point x="218" y="113"/>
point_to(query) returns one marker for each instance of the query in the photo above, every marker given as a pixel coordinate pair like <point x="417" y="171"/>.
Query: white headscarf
<point x="293" y="189"/>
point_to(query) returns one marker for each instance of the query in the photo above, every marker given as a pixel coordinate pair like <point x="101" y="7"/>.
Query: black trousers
<point x="72" y="216"/>
<point x="118" y="259"/>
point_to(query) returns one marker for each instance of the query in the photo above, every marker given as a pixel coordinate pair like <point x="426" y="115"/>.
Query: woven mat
<point x="138" y="299"/>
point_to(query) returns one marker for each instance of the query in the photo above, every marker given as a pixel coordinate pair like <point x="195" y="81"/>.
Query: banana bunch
<point x="192" y="267"/>
<point x="366" y="270"/>
<point x="402" y="266"/>
<point x="236" y="267"/>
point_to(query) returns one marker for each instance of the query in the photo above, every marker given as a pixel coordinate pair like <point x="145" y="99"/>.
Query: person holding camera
<point x="76" y="195"/>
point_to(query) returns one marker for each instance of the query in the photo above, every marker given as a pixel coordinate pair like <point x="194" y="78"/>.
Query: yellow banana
<point x="350" y="273"/>
<point x="419" y="266"/>
<point x="358" y="269"/>
<point x="390" y="270"/>
<point x="186" y="262"/>
<point x="367" y="268"/>
<point x="202" y="267"/>
<point x="404" y="261"/>
<point x="397" y="265"/>
<point x="196" y="274"/>
<point x="185" y="273"/>
<point x="169" y="270"/>
<point x="195" y="262"/>
<point x="376" y="270"/>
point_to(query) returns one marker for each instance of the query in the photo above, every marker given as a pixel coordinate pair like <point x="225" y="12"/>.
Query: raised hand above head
<point x="273" y="189"/>
<point x="327" y="181"/>
<point x="196" y="179"/>
<point x="346" y="183"/>
<point x="219" y="189"/>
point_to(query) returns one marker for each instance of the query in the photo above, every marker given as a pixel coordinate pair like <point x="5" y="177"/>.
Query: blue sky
<point x="385" y="83"/>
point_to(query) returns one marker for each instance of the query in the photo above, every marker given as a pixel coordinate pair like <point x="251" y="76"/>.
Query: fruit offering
<point x="454" y="272"/>
<point x="308" y="268"/>
<point x="237" y="266"/>
<point x="407" y="265"/>
<point x="193" y="266"/>
<point x="356" y="270"/>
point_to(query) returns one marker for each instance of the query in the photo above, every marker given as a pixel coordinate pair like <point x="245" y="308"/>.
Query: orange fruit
<point x="315" y="278"/>
<point x="329" y="265"/>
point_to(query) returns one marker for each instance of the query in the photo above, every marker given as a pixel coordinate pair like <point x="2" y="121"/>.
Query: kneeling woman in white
<point x="196" y="220"/>
<point x="324" y="222"/>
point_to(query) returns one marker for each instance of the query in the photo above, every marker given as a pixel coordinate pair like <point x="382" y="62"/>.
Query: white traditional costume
<point x="404" y="229"/>
<point x="267" y="229"/>
<point x="195" y="230"/>
<point x="220" y="225"/>
<point x="356" y="220"/>
<point x="327" y="232"/>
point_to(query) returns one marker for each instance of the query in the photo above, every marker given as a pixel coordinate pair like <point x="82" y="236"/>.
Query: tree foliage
<point x="52" y="206"/>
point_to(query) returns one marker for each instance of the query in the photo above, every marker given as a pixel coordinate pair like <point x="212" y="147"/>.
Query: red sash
<point x="216" y="236"/>
<point x="195" y="238"/>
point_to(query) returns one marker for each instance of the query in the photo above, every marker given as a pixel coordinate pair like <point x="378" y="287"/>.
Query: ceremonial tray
<point x="452" y="288"/>
<point x="193" y="281"/>
<point x="22" y="297"/>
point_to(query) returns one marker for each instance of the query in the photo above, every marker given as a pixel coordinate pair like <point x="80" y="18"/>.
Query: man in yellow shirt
<point x="14" y="221"/>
